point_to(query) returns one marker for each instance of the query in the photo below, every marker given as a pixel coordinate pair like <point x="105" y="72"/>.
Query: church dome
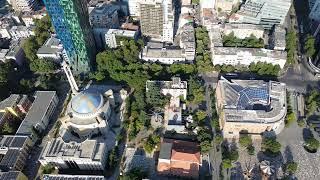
<point x="86" y="103"/>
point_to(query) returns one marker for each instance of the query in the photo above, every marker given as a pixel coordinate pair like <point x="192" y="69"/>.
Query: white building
<point x="5" y="25"/>
<point x="18" y="32"/>
<point x="16" y="52"/>
<point x="157" y="19"/>
<point x="114" y="37"/>
<point x="28" y="17"/>
<point x="51" y="49"/>
<point x="173" y="112"/>
<point x="225" y="5"/>
<point x="243" y="30"/>
<point x="88" y="155"/>
<point x="187" y="41"/>
<point x="264" y="12"/>
<point x="133" y="7"/>
<point x="245" y="56"/>
<point x="164" y="55"/>
<point x="207" y="4"/>
<point x="39" y="114"/>
<point x="71" y="177"/>
<point x="24" y="5"/>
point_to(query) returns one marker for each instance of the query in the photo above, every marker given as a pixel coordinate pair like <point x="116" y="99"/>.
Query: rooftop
<point x="120" y="32"/>
<point x="253" y="100"/>
<point x="51" y="46"/>
<point x="37" y="111"/>
<point x="89" y="149"/>
<point x="11" y="101"/>
<point x="243" y="26"/>
<point x="279" y="36"/>
<point x="11" y="175"/>
<point x="253" y="51"/>
<point x="15" y="141"/>
<point x="71" y="177"/>
<point x="102" y="9"/>
<point x="176" y="83"/>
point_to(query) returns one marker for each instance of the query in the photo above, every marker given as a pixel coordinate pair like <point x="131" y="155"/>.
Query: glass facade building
<point x="71" y="22"/>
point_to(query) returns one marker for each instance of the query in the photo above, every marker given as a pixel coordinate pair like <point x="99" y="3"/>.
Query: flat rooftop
<point x="253" y="51"/>
<point x="71" y="177"/>
<point x="10" y="101"/>
<point x="36" y="112"/>
<point x="89" y="149"/>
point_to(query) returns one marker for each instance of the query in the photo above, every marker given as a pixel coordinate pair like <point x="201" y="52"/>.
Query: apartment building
<point x="24" y="5"/>
<point x="157" y="19"/>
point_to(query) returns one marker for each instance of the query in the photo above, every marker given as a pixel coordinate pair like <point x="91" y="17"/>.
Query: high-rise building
<point x="157" y="19"/>
<point x="71" y="22"/>
<point x="264" y="12"/>
<point x="24" y="5"/>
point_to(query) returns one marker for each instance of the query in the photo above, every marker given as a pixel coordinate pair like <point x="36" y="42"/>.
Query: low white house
<point x="114" y="37"/>
<point x="51" y="49"/>
<point x="245" y="56"/>
<point x="156" y="52"/>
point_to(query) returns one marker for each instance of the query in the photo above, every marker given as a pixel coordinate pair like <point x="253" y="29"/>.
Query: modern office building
<point x="264" y="12"/>
<point x="88" y="155"/>
<point x="39" y="114"/>
<point x="245" y="56"/>
<point x="70" y="19"/>
<point x="14" y="151"/>
<point x="250" y="106"/>
<point x="157" y="19"/>
<point x="179" y="159"/>
<point x="24" y="5"/>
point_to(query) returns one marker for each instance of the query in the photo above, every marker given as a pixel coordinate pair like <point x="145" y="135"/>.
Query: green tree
<point x="250" y="149"/>
<point x="6" y="72"/>
<point x="43" y="66"/>
<point x="154" y="96"/>
<point x="113" y="157"/>
<point x="151" y="142"/>
<point x="245" y="140"/>
<point x="7" y="129"/>
<point x="309" y="46"/>
<point x="270" y="145"/>
<point x="201" y="115"/>
<point x="312" y="144"/>
<point x="291" y="44"/>
<point x="291" y="167"/>
<point x="134" y="174"/>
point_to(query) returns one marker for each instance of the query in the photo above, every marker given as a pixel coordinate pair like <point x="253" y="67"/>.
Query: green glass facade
<point x="71" y="22"/>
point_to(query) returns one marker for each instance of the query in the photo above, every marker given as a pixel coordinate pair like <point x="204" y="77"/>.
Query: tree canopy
<point x="271" y="146"/>
<point x="309" y="46"/>
<point x="231" y="40"/>
<point x="291" y="45"/>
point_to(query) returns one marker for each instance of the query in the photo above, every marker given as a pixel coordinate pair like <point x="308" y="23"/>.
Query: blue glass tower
<point x="71" y="23"/>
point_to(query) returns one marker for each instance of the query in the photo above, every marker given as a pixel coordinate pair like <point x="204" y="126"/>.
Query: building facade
<point x="114" y="37"/>
<point x="88" y="155"/>
<point x="245" y="56"/>
<point x="70" y="20"/>
<point x="157" y="19"/>
<point x="264" y="12"/>
<point x="250" y="106"/>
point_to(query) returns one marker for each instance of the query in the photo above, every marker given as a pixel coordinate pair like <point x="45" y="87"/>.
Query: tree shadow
<point x="288" y="154"/>
<point x="237" y="172"/>
<point x="306" y="132"/>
